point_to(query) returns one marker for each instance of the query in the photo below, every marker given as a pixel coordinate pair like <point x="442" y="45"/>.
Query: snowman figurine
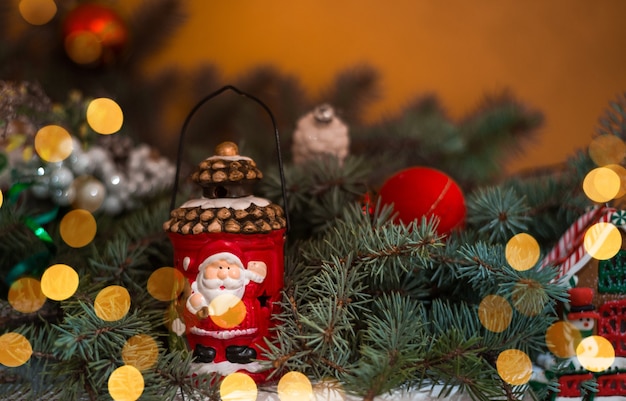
<point x="582" y="313"/>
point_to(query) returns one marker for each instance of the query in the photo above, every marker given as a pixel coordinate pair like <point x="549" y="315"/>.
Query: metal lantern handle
<point x="276" y="138"/>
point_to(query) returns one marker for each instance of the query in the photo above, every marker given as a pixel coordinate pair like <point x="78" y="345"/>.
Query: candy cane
<point x="569" y="254"/>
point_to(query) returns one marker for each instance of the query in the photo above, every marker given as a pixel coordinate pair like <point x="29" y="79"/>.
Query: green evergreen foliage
<point x="374" y="304"/>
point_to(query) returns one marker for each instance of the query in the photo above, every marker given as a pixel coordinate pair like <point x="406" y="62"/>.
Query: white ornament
<point x="61" y="177"/>
<point x="90" y="193"/>
<point x="81" y="163"/>
<point x="63" y="197"/>
<point x="112" y="205"/>
<point x="318" y="133"/>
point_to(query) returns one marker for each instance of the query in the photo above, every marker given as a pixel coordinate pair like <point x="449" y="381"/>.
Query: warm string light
<point x="104" y="116"/>
<point x="37" y="12"/>
<point x="126" y="383"/>
<point x="78" y="228"/>
<point x="53" y="143"/>
<point x="562" y="338"/>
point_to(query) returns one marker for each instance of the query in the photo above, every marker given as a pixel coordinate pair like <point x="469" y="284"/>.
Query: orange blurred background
<point x="566" y="58"/>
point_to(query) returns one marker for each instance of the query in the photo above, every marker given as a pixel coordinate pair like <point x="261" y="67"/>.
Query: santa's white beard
<point x="212" y="288"/>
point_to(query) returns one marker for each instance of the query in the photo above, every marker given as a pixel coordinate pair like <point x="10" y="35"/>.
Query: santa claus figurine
<point x="224" y="298"/>
<point x="229" y="245"/>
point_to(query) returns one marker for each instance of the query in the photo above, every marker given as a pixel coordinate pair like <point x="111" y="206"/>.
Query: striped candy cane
<point x="569" y="254"/>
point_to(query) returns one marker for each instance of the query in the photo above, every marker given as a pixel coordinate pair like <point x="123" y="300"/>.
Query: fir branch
<point x="391" y="347"/>
<point x="497" y="212"/>
<point x="613" y="121"/>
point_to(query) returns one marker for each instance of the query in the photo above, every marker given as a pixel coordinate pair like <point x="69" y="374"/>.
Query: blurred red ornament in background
<point x="94" y="34"/>
<point x="418" y="192"/>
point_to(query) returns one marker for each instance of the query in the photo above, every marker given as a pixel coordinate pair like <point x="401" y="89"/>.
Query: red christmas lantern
<point x="229" y="245"/>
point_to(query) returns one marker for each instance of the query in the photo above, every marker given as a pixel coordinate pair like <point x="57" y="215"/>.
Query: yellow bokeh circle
<point x="15" y="350"/>
<point x="595" y="353"/>
<point x="294" y="386"/>
<point x="562" y="338"/>
<point x="59" y="282"/>
<point x="126" y="383"/>
<point x="621" y="173"/>
<point x="238" y="387"/>
<point x="140" y="351"/>
<point x="83" y="47"/>
<point x="601" y="184"/>
<point x="53" y="143"/>
<point x="522" y="251"/>
<point x="1" y="198"/>
<point x="37" y="12"/>
<point x="227" y="311"/>
<point x="607" y="149"/>
<point x="514" y="367"/>
<point x="166" y="284"/>
<point x="25" y="295"/>
<point x="602" y="241"/>
<point x="104" y="116"/>
<point x="112" y="303"/>
<point x="495" y="313"/>
<point x="78" y="228"/>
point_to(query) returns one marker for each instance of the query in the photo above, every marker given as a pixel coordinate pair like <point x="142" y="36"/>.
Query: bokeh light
<point x="602" y="241"/>
<point x="78" y="228"/>
<point x="238" y="387"/>
<point x="15" y="350"/>
<point x="522" y="251"/>
<point x="140" y="351"/>
<point x="59" y="282"/>
<point x="607" y="149"/>
<point x="227" y="311"/>
<point x="166" y="284"/>
<point x="37" y="12"/>
<point x="294" y="386"/>
<point x="104" y="116"/>
<point x="126" y="383"/>
<point x="83" y="47"/>
<point x="514" y="367"/>
<point x="495" y="313"/>
<point x="25" y="295"/>
<point x="621" y="173"/>
<point x="112" y="303"/>
<point x="53" y="143"/>
<point x="601" y="184"/>
<point x="562" y="338"/>
<point x="595" y="353"/>
<point x="1" y="198"/>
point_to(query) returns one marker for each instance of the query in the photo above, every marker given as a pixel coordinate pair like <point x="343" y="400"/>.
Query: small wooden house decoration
<point x="607" y="280"/>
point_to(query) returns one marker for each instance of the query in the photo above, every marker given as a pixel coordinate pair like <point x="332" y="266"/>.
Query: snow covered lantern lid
<point x="227" y="203"/>
<point x="229" y="245"/>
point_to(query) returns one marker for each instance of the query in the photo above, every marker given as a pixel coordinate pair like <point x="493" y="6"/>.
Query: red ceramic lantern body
<point x="260" y="299"/>
<point x="229" y="245"/>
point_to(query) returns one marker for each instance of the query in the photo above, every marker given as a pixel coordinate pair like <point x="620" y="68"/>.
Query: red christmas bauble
<point x="94" y="34"/>
<point x="418" y="192"/>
